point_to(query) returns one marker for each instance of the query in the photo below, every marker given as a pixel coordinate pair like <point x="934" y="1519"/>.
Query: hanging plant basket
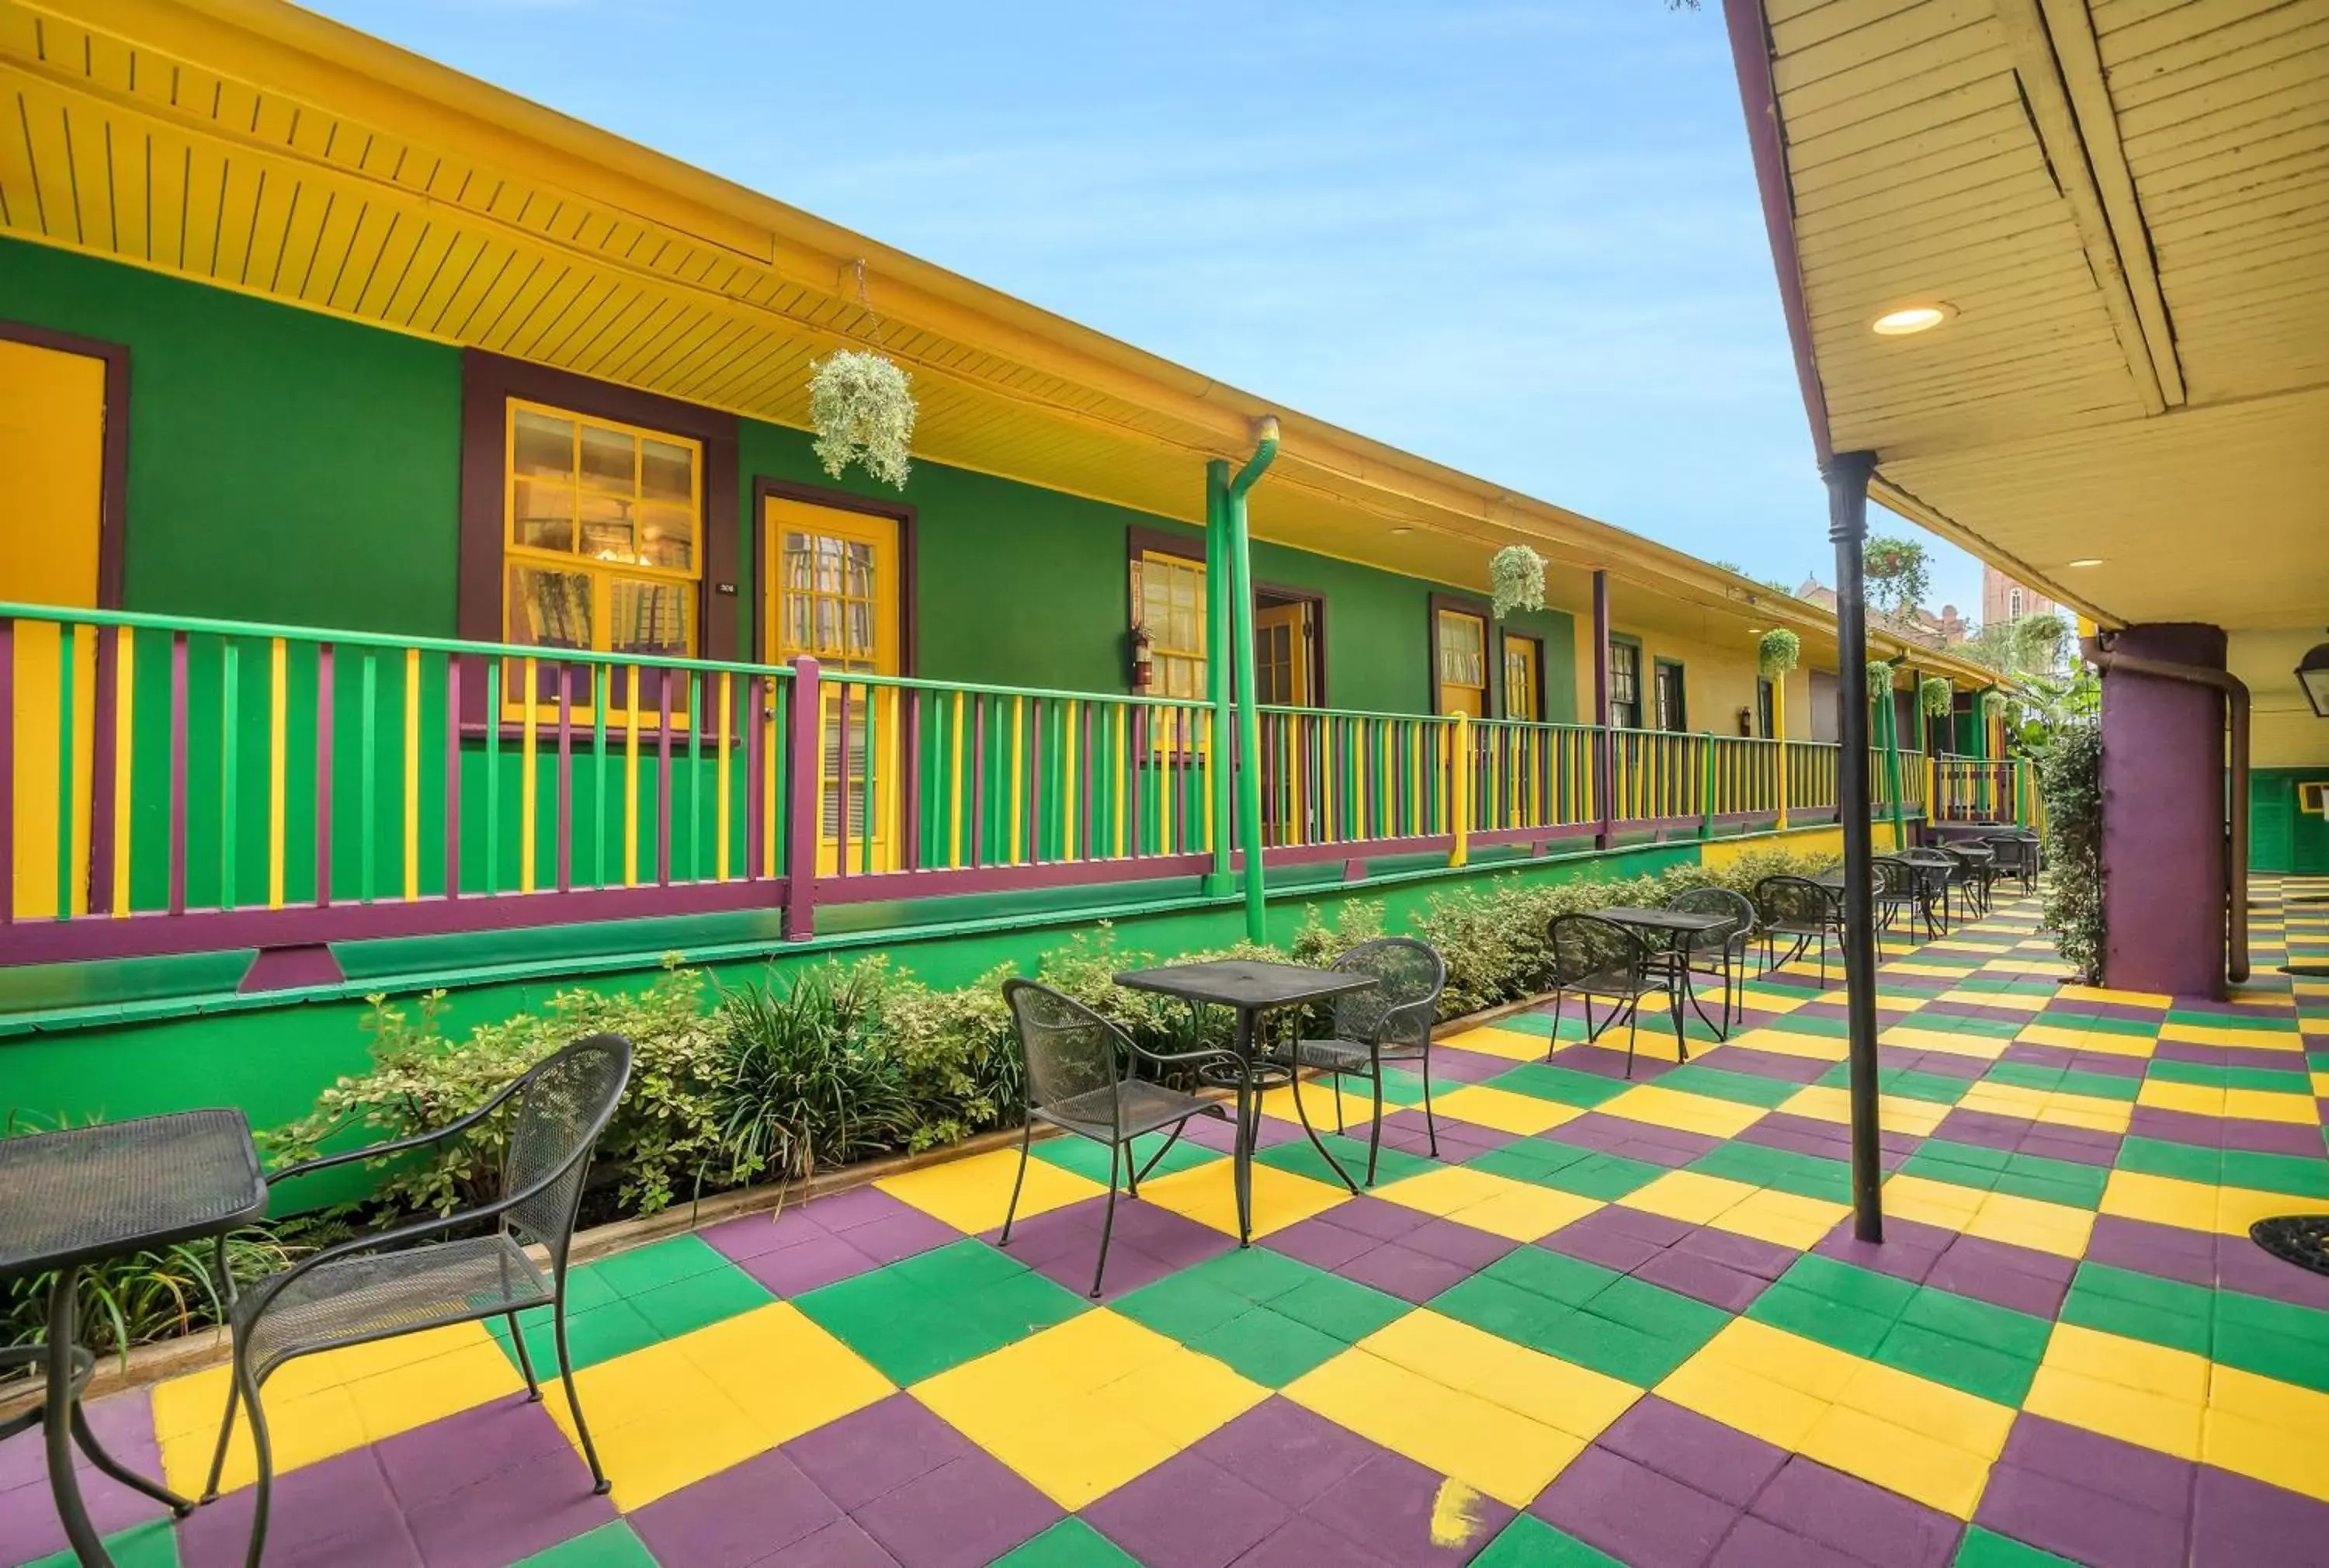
<point x="1780" y="652"/>
<point x="1992" y="704"/>
<point x="1516" y="579"/>
<point x="1880" y="676"/>
<point x="863" y="407"/>
<point x="1933" y="695"/>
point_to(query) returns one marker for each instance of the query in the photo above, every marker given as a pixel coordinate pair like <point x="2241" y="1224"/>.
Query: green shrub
<point x="809" y="1078"/>
<point x="2069" y="779"/>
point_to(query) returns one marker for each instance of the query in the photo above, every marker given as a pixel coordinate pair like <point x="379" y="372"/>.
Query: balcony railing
<point x="175" y="786"/>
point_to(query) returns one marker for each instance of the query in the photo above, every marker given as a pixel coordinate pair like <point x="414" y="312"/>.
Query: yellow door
<point x="1521" y="679"/>
<point x="1281" y="655"/>
<point x="832" y="593"/>
<point x="1463" y="663"/>
<point x="52" y="450"/>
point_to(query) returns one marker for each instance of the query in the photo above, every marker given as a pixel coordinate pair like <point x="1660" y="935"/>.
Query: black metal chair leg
<point x="1633" y="1023"/>
<point x="1026" y="1136"/>
<point x="263" y="1490"/>
<point x="106" y="1463"/>
<point x="601" y="1486"/>
<point x="1374" y="1135"/>
<point x="1132" y="1189"/>
<point x="1553" y="1044"/>
<point x="1117" y="1154"/>
<point x="226" y="1434"/>
<point x="1430" y="1126"/>
<point x="1339" y="1125"/>
<point x="524" y="1361"/>
<point x="1317" y="1142"/>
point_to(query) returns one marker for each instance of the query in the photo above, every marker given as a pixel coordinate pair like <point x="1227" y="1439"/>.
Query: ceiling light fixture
<point x="1910" y="319"/>
<point x="2312" y="674"/>
<point x="1400" y="530"/>
<point x="2091" y="560"/>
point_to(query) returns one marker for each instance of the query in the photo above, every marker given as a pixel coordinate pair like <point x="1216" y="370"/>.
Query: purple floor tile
<point x="1303" y="1543"/>
<point x="2168" y="1251"/>
<point x="1321" y="1244"/>
<point x="1451" y="1242"/>
<point x="434" y="1461"/>
<point x="815" y="1262"/>
<point x="1982" y="1130"/>
<point x="1303" y="1454"/>
<point x="1633" y="1513"/>
<point x="1400" y="1270"/>
<point x="1850" y="1515"/>
<point x="2078" y="1145"/>
<point x="737" y="1517"/>
<point x="842" y="1212"/>
<point x="1702" y="1279"/>
<point x="1604" y="1063"/>
<point x="876" y="1449"/>
<point x="907" y="1233"/>
<point x="1459" y="1141"/>
<point x="2242" y="1265"/>
<point x="1188" y="1513"/>
<point x="1373" y="1217"/>
<point x="756" y="1235"/>
<point x="1747" y="1254"/>
<point x="1388" y="1505"/>
<point x="1909" y="1250"/>
<point x="2273" y="1137"/>
<point x="2107" y="1064"/>
<point x="2082" y="1525"/>
<point x="1221" y="1136"/>
<point x="1148" y="1244"/>
<point x="2139" y="1478"/>
<point x="966" y="1512"/>
<point x="337" y="1513"/>
<point x="1704" y="1455"/>
<point x="2004" y="1276"/>
<point x="1756" y="1542"/>
<point x="839" y="1545"/>
<point x="1459" y="1067"/>
<point x="124" y="1425"/>
<point x="2240" y="1523"/>
<point x="2177" y="1127"/>
<point x="1765" y="1064"/>
<point x="510" y="1514"/>
<point x="1774" y="1131"/>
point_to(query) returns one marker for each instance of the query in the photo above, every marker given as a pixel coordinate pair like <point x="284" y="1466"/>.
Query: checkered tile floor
<point x="1612" y="1321"/>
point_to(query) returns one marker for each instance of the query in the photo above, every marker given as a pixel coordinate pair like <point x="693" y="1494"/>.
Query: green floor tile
<point x="2016" y="1334"/>
<point x="1269" y="1347"/>
<point x="1583" y="1313"/>
<point x="1548" y="1275"/>
<point x="608" y="1546"/>
<point x="599" y="1335"/>
<point x="152" y="1545"/>
<point x="1539" y="1024"/>
<point x="1985" y="1549"/>
<point x="2035" y="1176"/>
<point x="1566" y="1085"/>
<point x="918" y="1318"/>
<point x="698" y="1301"/>
<point x="1789" y="1170"/>
<point x="1615" y="1348"/>
<point x="1345" y="1309"/>
<point x="2253" y="1348"/>
<point x="1739" y="1088"/>
<point x="1530" y="1543"/>
<point x="1402" y="1086"/>
<point x="2258" y="1019"/>
<point x="1183" y="1308"/>
<point x="1089" y="1160"/>
<point x="658" y="1263"/>
<point x="1848" y="1328"/>
<point x="2214" y="1075"/>
<point x="1301" y="1159"/>
<point x="2162" y="1156"/>
<point x="1070" y="1544"/>
<point x="2141" y="1307"/>
<point x="2290" y="1173"/>
<point x="1864" y="1290"/>
<point x="1976" y="1369"/>
<point x="1603" y="1176"/>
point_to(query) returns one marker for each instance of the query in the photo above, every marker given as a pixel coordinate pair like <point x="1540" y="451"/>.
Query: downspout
<point x="1219" y="581"/>
<point x="1249" y="717"/>
<point x="2236" y="720"/>
<point x="1892" y="700"/>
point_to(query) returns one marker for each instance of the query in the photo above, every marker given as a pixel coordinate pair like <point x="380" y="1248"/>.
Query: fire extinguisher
<point x="1144" y="659"/>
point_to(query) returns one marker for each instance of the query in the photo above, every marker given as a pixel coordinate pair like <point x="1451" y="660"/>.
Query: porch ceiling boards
<point x="2126" y="202"/>
<point x="259" y="147"/>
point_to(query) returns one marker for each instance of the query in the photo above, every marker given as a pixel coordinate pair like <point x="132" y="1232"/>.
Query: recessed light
<point x="1401" y="528"/>
<point x="2092" y="560"/>
<point x="1911" y="318"/>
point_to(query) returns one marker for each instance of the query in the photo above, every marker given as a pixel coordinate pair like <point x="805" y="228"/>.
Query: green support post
<point x="1706" y="784"/>
<point x="1218" y="627"/>
<point x="1249" y="748"/>
<point x="1892" y="766"/>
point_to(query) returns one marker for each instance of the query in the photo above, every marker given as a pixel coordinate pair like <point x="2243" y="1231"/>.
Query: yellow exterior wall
<point x="1720" y="853"/>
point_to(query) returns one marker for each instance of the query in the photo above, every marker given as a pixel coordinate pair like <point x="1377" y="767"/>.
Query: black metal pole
<point x="1846" y="475"/>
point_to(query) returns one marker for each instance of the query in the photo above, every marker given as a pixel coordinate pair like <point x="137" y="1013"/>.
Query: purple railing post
<point x="8" y="769"/>
<point x="804" y="784"/>
<point x="324" y="774"/>
<point x="452" y="775"/>
<point x="179" y="740"/>
<point x="1604" y="776"/>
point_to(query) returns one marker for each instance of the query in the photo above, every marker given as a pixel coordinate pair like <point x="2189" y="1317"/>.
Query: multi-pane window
<point x="1625" y="685"/>
<point x="1669" y="696"/>
<point x="1521" y="698"/>
<point x="602" y="549"/>
<point x="1170" y="591"/>
<point x="1765" y="718"/>
<point x="836" y="598"/>
<point x="1463" y="663"/>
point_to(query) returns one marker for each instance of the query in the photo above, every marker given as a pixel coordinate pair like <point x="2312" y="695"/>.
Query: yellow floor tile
<point x="1084" y="1406"/>
<point x="1544" y="1388"/>
<point x="1787" y="1219"/>
<point x="670" y="1448"/>
<point x="1682" y="1112"/>
<point x="2245" y="1039"/>
<point x="1908" y="1036"/>
<point x="1204" y="1192"/>
<point x="2052" y="1106"/>
<point x="1929" y="1202"/>
<point x="1946" y="1415"/>
<point x="1724" y="1391"/>
<point x="1512" y="1045"/>
<point x="1933" y="1473"/>
<point x="2272" y="1454"/>
<point x="1477" y="1441"/>
<point x="971" y="1195"/>
<point x="1894" y="1113"/>
<point x="1781" y="1040"/>
<point x="2124" y="997"/>
<point x="1319" y="1102"/>
<point x="2192" y="1204"/>
<point x="1932" y="970"/>
<point x="300" y="1431"/>
<point x="798" y="1375"/>
<point x="2265" y="1106"/>
<point x="2175" y="1375"/>
<point x="2028" y="1222"/>
<point x="2151" y="1421"/>
<point x="1516" y="1210"/>
<point x="1688" y="1196"/>
<point x="419" y="1392"/>
<point x="2192" y="1099"/>
<point x="2015" y="1001"/>
<point x="2272" y="1403"/>
<point x="1818" y="1371"/>
<point x="1522" y="1114"/>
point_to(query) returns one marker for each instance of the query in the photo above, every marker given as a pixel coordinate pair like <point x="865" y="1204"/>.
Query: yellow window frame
<point x="1479" y="690"/>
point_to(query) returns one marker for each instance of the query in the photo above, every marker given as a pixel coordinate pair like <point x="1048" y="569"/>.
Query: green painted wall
<point x="2283" y="839"/>
<point x="283" y="465"/>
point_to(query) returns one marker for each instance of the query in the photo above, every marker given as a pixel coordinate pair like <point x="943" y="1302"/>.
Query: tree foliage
<point x="1899" y="573"/>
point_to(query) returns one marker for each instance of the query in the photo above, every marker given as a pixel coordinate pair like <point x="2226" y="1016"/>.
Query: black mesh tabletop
<point x="1663" y="919"/>
<point x="119" y="1186"/>
<point x="1246" y="985"/>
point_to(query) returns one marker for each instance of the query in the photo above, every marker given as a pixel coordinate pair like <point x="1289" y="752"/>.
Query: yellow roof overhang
<point x="2127" y="204"/>
<point x="255" y="146"/>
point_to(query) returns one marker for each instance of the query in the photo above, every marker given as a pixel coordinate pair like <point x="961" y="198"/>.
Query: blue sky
<point x="1519" y="239"/>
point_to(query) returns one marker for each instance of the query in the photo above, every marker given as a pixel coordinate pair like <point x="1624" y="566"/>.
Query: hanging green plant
<point x="1934" y="697"/>
<point x="1993" y="705"/>
<point x="1516" y="578"/>
<point x="1880" y="676"/>
<point x="1779" y="653"/>
<point x="863" y="407"/>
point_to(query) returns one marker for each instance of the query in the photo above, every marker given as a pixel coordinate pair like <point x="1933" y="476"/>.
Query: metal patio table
<point x="1669" y="925"/>
<point x="78" y="1196"/>
<point x="1249" y="988"/>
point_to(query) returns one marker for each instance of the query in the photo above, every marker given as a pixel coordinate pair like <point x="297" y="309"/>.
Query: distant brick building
<point x="2004" y="600"/>
<point x="1919" y="625"/>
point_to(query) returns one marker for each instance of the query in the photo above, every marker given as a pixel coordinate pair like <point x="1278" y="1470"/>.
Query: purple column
<point x="804" y="784"/>
<point x="1603" y="776"/>
<point x="2163" y="852"/>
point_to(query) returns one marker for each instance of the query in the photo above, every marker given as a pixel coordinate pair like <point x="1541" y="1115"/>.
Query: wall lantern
<point x="2312" y="674"/>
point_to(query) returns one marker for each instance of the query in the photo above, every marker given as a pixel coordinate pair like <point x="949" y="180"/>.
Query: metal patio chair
<point x="1722" y="951"/>
<point x="374" y="1287"/>
<point x="1936" y="873"/>
<point x="1390" y="1023"/>
<point x="1976" y="870"/>
<point x="1798" y="911"/>
<point x="2016" y="857"/>
<point x="1596" y="957"/>
<point x="1078" y="1081"/>
<point x="1901" y="893"/>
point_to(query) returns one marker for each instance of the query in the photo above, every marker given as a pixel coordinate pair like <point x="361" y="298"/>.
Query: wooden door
<point x="1522" y="678"/>
<point x="1281" y="655"/>
<point x="52" y="450"/>
<point x="833" y="593"/>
